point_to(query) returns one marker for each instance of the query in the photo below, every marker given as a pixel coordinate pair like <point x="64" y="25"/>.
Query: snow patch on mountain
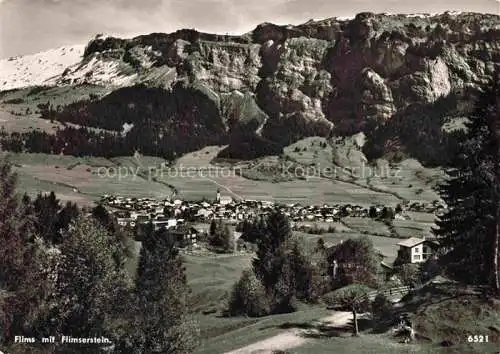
<point x="67" y="66"/>
<point x="36" y="69"/>
<point x="96" y="71"/>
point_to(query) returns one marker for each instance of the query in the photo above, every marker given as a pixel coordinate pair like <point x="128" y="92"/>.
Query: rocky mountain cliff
<point x="385" y="75"/>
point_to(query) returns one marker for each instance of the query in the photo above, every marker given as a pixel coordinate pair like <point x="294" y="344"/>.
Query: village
<point x="189" y="220"/>
<point x="171" y="212"/>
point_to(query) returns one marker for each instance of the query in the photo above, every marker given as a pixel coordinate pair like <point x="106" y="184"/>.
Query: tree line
<point x="87" y="142"/>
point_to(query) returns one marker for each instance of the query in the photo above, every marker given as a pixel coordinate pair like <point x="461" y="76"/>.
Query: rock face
<point x="332" y="72"/>
<point x="319" y="78"/>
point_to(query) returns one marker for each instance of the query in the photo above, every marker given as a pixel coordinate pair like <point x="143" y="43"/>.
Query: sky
<point x="30" y="26"/>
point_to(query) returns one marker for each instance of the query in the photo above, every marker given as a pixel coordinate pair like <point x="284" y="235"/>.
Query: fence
<point x="401" y="291"/>
<point x="370" y="296"/>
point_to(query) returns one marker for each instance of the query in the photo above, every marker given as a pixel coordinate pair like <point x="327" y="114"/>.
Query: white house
<point x="417" y="250"/>
<point x="170" y="223"/>
<point x="123" y="221"/>
<point x="204" y="212"/>
<point x="224" y="200"/>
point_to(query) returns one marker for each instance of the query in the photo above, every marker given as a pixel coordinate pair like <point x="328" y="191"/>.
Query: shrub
<point x="248" y="297"/>
<point x="359" y="262"/>
<point x="402" y="258"/>
<point x="430" y="269"/>
<point x="409" y="274"/>
<point x="382" y="308"/>
<point x="221" y="238"/>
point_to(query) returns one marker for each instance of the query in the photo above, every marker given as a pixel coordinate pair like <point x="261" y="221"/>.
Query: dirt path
<point x="292" y="338"/>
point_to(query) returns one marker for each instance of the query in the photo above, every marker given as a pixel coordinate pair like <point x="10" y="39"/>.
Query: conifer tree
<point x="67" y="214"/>
<point x="248" y="297"/>
<point x="86" y="286"/>
<point x="469" y="230"/>
<point x="213" y="227"/>
<point x="16" y="233"/>
<point x="252" y="233"/>
<point x="492" y="110"/>
<point x="46" y="208"/>
<point x="267" y="264"/>
<point x="227" y="237"/>
<point x="161" y="323"/>
<point x="11" y="239"/>
<point x="221" y="237"/>
<point x="303" y="271"/>
<point x="122" y="250"/>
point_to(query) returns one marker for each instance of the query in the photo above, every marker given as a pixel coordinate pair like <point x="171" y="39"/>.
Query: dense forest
<point x="152" y="121"/>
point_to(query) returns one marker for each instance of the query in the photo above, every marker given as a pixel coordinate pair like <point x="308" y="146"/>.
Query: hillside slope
<point x="447" y="314"/>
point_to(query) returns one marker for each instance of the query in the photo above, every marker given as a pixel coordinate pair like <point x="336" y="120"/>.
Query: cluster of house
<point x="187" y="220"/>
<point x="130" y="211"/>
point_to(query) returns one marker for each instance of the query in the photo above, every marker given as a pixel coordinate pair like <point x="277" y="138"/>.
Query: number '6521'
<point x="477" y="339"/>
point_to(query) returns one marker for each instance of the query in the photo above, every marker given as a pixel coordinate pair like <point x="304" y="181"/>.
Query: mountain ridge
<point x="374" y="73"/>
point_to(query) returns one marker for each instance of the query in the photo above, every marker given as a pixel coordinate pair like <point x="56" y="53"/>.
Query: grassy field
<point x="200" y="158"/>
<point x="311" y="150"/>
<point x="313" y="191"/>
<point x="192" y="180"/>
<point x="452" y="312"/>
<point x="12" y="122"/>
<point x="364" y="344"/>
<point x="367" y="225"/>
<point x="82" y="173"/>
<point x="443" y="312"/>
<point x="251" y="331"/>
<point x="85" y="180"/>
<point x="19" y="111"/>
<point x="408" y="179"/>
<point x="386" y="245"/>
<point x="422" y="217"/>
<point x="32" y="186"/>
<point x="210" y="277"/>
<point x="412" y="228"/>
<point x="338" y="226"/>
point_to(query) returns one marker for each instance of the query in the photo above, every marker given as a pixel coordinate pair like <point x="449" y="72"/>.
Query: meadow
<point x="19" y="110"/>
<point x="199" y="174"/>
<point x="85" y="179"/>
